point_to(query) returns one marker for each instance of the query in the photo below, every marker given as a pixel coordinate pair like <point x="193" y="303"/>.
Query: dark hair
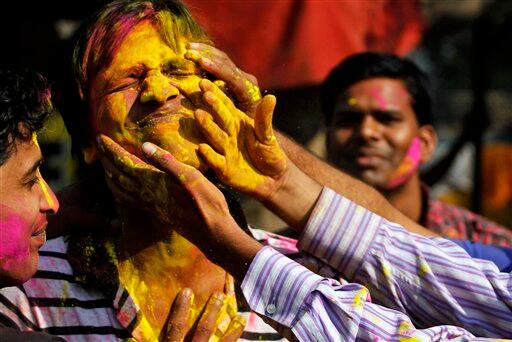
<point x="368" y="65"/>
<point x="25" y="103"/>
<point x="98" y="39"/>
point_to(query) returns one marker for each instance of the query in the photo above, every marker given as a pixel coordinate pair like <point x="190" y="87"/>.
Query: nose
<point x="157" y="87"/>
<point x="49" y="202"/>
<point x="369" y="128"/>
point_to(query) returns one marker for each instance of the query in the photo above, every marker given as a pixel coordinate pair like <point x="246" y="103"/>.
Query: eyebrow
<point x="34" y="167"/>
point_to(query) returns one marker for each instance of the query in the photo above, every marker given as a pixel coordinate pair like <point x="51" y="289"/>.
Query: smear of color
<point x="408" y="166"/>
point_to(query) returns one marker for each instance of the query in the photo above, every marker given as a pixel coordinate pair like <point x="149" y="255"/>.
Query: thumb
<point x="263" y="119"/>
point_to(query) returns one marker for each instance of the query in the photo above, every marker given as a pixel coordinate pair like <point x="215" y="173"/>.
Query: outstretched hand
<point x="243" y="152"/>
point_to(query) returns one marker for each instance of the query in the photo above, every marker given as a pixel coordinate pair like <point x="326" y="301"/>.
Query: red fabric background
<point x="287" y="43"/>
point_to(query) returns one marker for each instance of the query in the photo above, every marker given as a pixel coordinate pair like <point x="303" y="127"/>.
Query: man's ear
<point x="90" y="153"/>
<point x="428" y="138"/>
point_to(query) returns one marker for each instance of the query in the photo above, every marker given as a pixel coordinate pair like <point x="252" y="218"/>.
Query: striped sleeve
<point x="322" y="309"/>
<point x="432" y="280"/>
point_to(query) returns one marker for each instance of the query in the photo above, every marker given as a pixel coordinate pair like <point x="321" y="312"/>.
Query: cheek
<point x="400" y="139"/>
<point x="113" y="111"/>
<point x="14" y="235"/>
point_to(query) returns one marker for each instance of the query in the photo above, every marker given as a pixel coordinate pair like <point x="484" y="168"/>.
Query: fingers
<point x="177" y="323"/>
<point x="121" y="158"/>
<point x="164" y="160"/>
<point x="121" y="178"/>
<point x="223" y="108"/>
<point x="235" y="329"/>
<point x="243" y="85"/>
<point x="215" y="136"/>
<point x="263" y="119"/>
<point x="216" y="161"/>
<point x="207" y="324"/>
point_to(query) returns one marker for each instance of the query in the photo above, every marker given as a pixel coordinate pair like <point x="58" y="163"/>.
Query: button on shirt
<point x="424" y="288"/>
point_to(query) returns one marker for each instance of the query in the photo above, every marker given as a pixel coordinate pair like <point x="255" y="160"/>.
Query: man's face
<point x="25" y="200"/>
<point x="372" y="128"/>
<point x="145" y="95"/>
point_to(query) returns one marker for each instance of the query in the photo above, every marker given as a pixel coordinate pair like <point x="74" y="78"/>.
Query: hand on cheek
<point x="140" y="185"/>
<point x="243" y="152"/>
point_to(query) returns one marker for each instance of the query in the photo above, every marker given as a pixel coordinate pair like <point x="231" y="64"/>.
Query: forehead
<point x="24" y="154"/>
<point x="392" y="90"/>
<point x="144" y="44"/>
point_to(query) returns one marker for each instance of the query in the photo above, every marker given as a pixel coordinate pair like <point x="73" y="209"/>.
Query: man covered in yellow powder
<point x="138" y="84"/>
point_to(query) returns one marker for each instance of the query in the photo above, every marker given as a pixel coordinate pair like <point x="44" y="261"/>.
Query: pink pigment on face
<point x="14" y="238"/>
<point x="375" y="92"/>
<point x="408" y="166"/>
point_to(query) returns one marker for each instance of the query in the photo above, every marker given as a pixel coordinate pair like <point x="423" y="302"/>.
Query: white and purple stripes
<point x="322" y="309"/>
<point x="426" y="283"/>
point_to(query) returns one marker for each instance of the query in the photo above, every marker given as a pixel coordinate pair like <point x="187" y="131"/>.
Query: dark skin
<point x="371" y="131"/>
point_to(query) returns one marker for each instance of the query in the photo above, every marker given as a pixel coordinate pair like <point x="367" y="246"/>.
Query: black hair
<point x="25" y="103"/>
<point x="368" y="65"/>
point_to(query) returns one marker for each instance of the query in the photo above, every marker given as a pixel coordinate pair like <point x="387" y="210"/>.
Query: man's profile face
<point x="25" y="200"/>
<point x="145" y="95"/>
<point x="372" y="128"/>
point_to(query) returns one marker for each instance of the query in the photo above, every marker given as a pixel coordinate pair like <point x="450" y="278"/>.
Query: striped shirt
<point x="424" y="288"/>
<point x="53" y="302"/>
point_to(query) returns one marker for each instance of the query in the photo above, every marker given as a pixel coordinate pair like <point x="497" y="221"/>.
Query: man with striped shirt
<point x="25" y="198"/>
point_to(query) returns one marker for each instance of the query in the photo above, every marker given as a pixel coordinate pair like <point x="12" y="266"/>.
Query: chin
<point x="21" y="273"/>
<point x="373" y="178"/>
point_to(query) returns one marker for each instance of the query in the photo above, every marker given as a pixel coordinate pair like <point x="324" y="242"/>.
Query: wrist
<point x="228" y="246"/>
<point x="295" y="198"/>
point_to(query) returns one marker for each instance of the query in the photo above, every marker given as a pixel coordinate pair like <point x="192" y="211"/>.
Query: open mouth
<point x="40" y="232"/>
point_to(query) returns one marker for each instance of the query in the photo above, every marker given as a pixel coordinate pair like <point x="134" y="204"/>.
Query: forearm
<point x="295" y="199"/>
<point x="322" y="309"/>
<point x="227" y="245"/>
<point x="423" y="277"/>
<point x="351" y="188"/>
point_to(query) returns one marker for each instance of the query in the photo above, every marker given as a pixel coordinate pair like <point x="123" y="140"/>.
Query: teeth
<point x="42" y="232"/>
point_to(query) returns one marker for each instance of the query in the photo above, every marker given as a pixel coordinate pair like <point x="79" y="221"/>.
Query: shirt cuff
<point x="340" y="232"/>
<point x="278" y="287"/>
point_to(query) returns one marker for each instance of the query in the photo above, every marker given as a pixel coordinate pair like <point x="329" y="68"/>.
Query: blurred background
<point x="464" y="45"/>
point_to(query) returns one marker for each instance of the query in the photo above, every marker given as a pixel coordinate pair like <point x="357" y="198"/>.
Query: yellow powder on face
<point x="47" y="193"/>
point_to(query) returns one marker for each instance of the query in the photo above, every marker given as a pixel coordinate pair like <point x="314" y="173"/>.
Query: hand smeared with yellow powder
<point x="243" y="152"/>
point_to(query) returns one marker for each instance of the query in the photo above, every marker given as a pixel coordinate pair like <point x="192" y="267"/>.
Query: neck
<point x="155" y="263"/>
<point x="407" y="198"/>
